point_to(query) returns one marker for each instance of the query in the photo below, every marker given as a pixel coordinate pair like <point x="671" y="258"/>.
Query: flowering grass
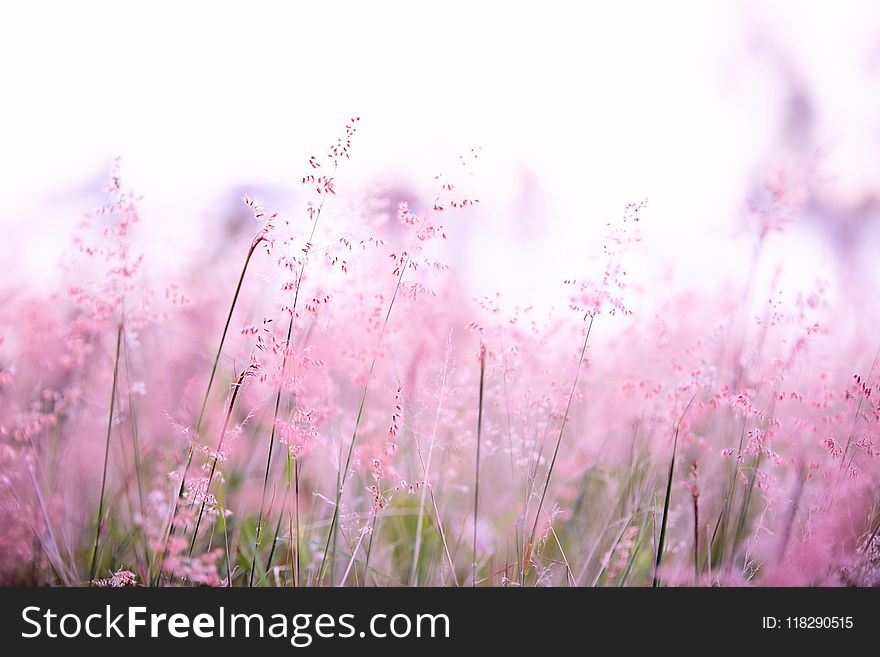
<point x="337" y="410"/>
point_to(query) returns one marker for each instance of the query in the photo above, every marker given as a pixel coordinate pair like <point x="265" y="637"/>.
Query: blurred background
<point x="730" y="118"/>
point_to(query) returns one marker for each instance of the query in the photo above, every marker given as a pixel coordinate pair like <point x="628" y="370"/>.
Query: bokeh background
<point x="577" y="111"/>
<point x="701" y="178"/>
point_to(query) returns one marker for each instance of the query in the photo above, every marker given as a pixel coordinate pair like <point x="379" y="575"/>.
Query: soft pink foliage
<point x="777" y="398"/>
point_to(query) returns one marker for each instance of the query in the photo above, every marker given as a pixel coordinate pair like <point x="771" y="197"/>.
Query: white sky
<point x="604" y="102"/>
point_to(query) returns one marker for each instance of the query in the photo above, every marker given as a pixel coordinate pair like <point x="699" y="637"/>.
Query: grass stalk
<point x="189" y="458"/>
<point x="666" y="502"/>
<point x="135" y="445"/>
<point x="426" y="469"/>
<point x="477" y="474"/>
<point x="213" y="470"/>
<point x="531" y="543"/>
<point x="259" y="527"/>
<point x="343" y="475"/>
<point x="287" y="344"/>
<point x="100" y="523"/>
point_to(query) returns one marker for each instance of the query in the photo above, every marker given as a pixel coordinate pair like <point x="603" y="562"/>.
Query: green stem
<point x="94" y="566"/>
<point x="214" y="460"/>
<point x="189" y="458"/>
<point x="531" y="543"/>
<point x="344" y="474"/>
<point x="660" y="544"/>
<point x="477" y="476"/>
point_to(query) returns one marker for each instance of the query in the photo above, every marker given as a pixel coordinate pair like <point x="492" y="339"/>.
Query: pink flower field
<point x="316" y="392"/>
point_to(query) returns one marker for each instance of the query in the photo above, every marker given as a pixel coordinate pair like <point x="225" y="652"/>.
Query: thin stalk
<point x="226" y="543"/>
<point x="296" y="554"/>
<point x="791" y="516"/>
<point x="53" y="552"/>
<point x="529" y="492"/>
<point x="746" y="503"/>
<point x="354" y="552"/>
<point x="663" y="523"/>
<point x="336" y="535"/>
<point x="603" y="567"/>
<point x="94" y="565"/>
<point x="426" y="467"/>
<point x="507" y="408"/>
<point x="344" y="473"/>
<point x="531" y="543"/>
<point x="606" y="523"/>
<point x="373" y="521"/>
<point x="477" y="475"/>
<point x="238" y="287"/>
<point x="299" y="278"/>
<point x="274" y="540"/>
<point x="643" y="531"/>
<point x="867" y="545"/>
<point x="229" y="410"/>
<point x="855" y="421"/>
<point x="135" y="442"/>
<point x="696" y="499"/>
<point x="259" y="528"/>
<point x="719" y="534"/>
<point x="189" y="458"/>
